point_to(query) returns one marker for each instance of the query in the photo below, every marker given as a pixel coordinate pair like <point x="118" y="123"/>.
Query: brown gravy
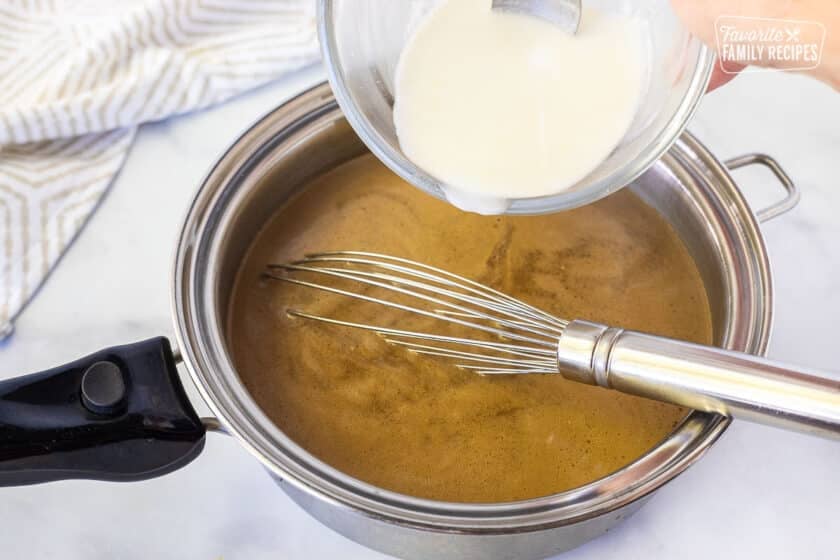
<point x="419" y="426"/>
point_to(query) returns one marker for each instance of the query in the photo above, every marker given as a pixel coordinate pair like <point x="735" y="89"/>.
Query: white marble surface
<point x="758" y="494"/>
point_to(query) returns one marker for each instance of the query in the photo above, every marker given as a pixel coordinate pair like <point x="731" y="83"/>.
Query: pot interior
<point x="286" y="169"/>
<point x="309" y="136"/>
<point x="282" y="173"/>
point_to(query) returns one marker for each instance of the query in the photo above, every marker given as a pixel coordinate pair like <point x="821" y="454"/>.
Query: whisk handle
<point x="702" y="377"/>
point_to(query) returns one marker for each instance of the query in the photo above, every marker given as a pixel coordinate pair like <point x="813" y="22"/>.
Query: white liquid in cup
<point x="500" y="106"/>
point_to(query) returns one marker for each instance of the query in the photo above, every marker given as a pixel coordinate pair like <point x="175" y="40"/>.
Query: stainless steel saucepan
<point x="122" y="414"/>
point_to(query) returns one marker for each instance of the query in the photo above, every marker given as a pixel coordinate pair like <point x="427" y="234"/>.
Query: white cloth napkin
<point x="78" y="76"/>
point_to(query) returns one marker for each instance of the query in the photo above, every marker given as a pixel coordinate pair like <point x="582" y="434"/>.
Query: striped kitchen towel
<point x="78" y="76"/>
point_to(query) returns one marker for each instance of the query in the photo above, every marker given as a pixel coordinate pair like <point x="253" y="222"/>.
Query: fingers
<point x="719" y="77"/>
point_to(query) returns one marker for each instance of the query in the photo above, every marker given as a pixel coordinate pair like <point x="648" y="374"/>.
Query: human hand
<point x="700" y="18"/>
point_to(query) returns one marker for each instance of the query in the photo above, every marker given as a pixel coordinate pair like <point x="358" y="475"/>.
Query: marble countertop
<point x="758" y="492"/>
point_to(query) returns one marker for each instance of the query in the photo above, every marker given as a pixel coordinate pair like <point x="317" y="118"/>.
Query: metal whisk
<point x="512" y="338"/>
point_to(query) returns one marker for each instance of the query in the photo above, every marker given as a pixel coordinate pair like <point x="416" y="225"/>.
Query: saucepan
<point x="121" y="414"/>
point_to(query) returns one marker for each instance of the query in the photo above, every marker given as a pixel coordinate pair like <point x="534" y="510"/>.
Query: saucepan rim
<point x="201" y="340"/>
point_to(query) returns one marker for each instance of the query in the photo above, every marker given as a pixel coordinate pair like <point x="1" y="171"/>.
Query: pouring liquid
<point x="500" y="105"/>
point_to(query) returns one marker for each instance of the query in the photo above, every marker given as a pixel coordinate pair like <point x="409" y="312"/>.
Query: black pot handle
<point x="120" y="414"/>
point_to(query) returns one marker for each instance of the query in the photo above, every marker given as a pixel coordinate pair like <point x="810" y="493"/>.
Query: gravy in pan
<point x="417" y="425"/>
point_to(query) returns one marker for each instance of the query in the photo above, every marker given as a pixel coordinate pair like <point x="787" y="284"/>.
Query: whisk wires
<point x="523" y="339"/>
